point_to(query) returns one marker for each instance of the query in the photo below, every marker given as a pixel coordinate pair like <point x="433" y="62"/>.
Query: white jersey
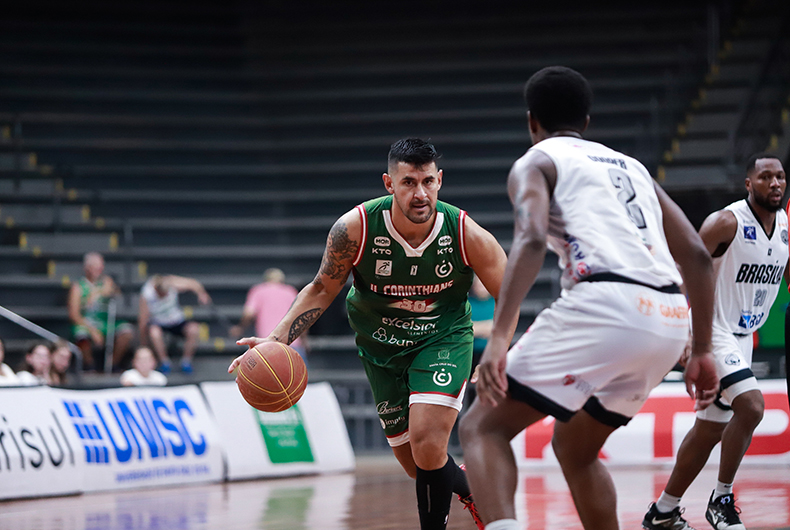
<point x="164" y="311"/>
<point x="605" y="216"/>
<point x="750" y="271"/>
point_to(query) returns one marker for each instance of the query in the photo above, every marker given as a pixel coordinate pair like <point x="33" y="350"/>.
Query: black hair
<point x="758" y="156"/>
<point x="559" y="98"/>
<point x="413" y="151"/>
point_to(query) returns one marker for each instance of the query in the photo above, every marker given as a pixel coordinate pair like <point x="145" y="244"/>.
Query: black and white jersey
<point x="750" y="272"/>
<point x="605" y="216"/>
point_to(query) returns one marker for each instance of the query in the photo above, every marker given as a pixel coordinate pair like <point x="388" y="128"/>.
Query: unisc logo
<point x="119" y="430"/>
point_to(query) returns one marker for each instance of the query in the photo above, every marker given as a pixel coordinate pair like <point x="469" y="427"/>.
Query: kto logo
<point x="123" y="430"/>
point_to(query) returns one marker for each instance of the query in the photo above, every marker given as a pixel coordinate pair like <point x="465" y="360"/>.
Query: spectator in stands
<point x="7" y="375"/>
<point x="267" y="303"/>
<point x="160" y="313"/>
<point x="142" y="372"/>
<point x="61" y="360"/>
<point x="35" y="368"/>
<point x="89" y="300"/>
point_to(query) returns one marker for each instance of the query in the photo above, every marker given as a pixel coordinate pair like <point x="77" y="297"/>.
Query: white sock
<point x="722" y="489"/>
<point x="503" y="524"/>
<point x="666" y="502"/>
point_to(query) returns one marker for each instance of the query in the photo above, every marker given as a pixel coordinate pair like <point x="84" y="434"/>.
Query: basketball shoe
<point x="469" y="504"/>
<point x="655" y="520"/>
<point x="722" y="513"/>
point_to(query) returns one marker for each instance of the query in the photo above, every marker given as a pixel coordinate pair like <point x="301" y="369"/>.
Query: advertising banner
<point x="141" y="437"/>
<point x="310" y="437"/>
<point x="654" y="435"/>
<point x="40" y="454"/>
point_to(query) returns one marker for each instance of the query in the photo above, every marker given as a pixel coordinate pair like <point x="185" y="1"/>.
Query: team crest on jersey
<point x="750" y="233"/>
<point x="444" y="269"/>
<point x="445" y="240"/>
<point x="732" y="360"/>
<point x="783" y="235"/>
<point x="382" y="241"/>
<point x="383" y="267"/>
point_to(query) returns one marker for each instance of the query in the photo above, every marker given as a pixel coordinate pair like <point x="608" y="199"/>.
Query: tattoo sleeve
<point x="339" y="249"/>
<point x="302" y="322"/>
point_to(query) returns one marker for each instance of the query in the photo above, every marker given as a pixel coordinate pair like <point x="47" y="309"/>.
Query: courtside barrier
<point x="310" y="437"/>
<point x="143" y="437"/>
<point x="654" y="435"/>
<point x="40" y="453"/>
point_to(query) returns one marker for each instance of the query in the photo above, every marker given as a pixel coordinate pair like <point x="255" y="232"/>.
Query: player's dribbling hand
<point x="491" y="377"/>
<point x="702" y="383"/>
<point x="250" y="342"/>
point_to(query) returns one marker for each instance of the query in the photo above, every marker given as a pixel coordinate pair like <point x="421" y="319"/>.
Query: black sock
<point x="460" y="484"/>
<point x="434" y="493"/>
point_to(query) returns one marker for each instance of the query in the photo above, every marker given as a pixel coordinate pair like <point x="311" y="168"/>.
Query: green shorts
<point x="81" y="333"/>
<point x="436" y="374"/>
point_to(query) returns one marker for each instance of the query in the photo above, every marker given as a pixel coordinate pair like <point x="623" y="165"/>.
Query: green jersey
<point x="405" y="298"/>
<point x="95" y="309"/>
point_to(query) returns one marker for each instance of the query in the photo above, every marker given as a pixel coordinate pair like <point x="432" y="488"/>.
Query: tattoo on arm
<point x="339" y="248"/>
<point x="302" y="322"/>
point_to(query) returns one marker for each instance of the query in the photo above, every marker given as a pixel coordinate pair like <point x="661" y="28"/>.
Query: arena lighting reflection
<point x="380" y="497"/>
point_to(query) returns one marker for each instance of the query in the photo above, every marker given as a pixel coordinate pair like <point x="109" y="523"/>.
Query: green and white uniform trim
<point x="409" y="309"/>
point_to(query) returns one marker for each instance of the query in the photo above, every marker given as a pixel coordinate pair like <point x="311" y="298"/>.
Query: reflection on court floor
<point x="378" y="496"/>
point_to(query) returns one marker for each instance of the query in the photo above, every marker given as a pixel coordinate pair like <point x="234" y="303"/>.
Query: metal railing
<point x="46" y="335"/>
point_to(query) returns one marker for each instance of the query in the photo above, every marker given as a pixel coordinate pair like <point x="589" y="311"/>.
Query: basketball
<point x="271" y="377"/>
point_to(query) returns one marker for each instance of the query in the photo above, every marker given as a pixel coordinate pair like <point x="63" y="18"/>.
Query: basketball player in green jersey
<point x="413" y="259"/>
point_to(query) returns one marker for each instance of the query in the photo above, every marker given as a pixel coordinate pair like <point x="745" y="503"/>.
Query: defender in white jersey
<point x="591" y="359"/>
<point x="748" y="242"/>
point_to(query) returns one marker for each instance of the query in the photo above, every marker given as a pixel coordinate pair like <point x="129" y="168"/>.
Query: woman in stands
<point x="35" y="369"/>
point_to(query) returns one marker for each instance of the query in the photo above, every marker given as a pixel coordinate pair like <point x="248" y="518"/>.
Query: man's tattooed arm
<point x="302" y="322"/>
<point x="340" y="250"/>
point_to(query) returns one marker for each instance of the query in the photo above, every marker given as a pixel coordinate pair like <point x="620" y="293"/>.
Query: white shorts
<point x="733" y="355"/>
<point x="602" y="346"/>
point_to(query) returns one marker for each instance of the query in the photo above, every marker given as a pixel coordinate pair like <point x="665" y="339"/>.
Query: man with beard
<point x="748" y="243"/>
<point x="413" y="259"/>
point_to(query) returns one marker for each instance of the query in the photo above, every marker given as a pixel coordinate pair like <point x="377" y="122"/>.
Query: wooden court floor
<point x="379" y="496"/>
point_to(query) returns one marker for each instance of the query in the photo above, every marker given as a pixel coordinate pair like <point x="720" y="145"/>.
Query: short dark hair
<point x="413" y="151"/>
<point x="559" y="98"/>
<point x="758" y="156"/>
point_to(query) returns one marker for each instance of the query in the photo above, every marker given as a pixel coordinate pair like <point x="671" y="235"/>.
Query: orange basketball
<point x="271" y="376"/>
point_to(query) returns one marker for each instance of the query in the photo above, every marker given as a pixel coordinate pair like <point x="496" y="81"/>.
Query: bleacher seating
<point x="218" y="139"/>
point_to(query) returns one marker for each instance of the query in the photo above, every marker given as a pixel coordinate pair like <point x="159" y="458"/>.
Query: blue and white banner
<point x="140" y="437"/>
<point x="39" y="452"/>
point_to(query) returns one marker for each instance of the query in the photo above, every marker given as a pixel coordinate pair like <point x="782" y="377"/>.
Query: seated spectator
<point x="88" y="303"/>
<point x="35" y="369"/>
<point x="160" y="313"/>
<point x="61" y="360"/>
<point x="267" y="303"/>
<point x="142" y="372"/>
<point x="7" y="375"/>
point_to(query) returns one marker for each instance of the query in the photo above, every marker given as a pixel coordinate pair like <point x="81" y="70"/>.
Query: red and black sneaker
<point x="469" y="504"/>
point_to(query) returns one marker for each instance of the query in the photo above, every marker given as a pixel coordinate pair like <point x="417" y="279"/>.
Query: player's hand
<point x="96" y="337"/>
<point x="203" y="298"/>
<point x="491" y="377"/>
<point x="250" y="342"/>
<point x="702" y="383"/>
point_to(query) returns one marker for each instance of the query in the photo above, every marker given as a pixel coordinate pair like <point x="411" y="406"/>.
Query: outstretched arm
<point x="693" y="254"/>
<point x="341" y="248"/>
<point x="182" y="284"/>
<point x="530" y="183"/>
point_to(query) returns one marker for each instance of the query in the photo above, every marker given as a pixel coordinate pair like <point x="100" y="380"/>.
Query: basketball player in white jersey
<point x="748" y="242"/>
<point x="591" y="359"/>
